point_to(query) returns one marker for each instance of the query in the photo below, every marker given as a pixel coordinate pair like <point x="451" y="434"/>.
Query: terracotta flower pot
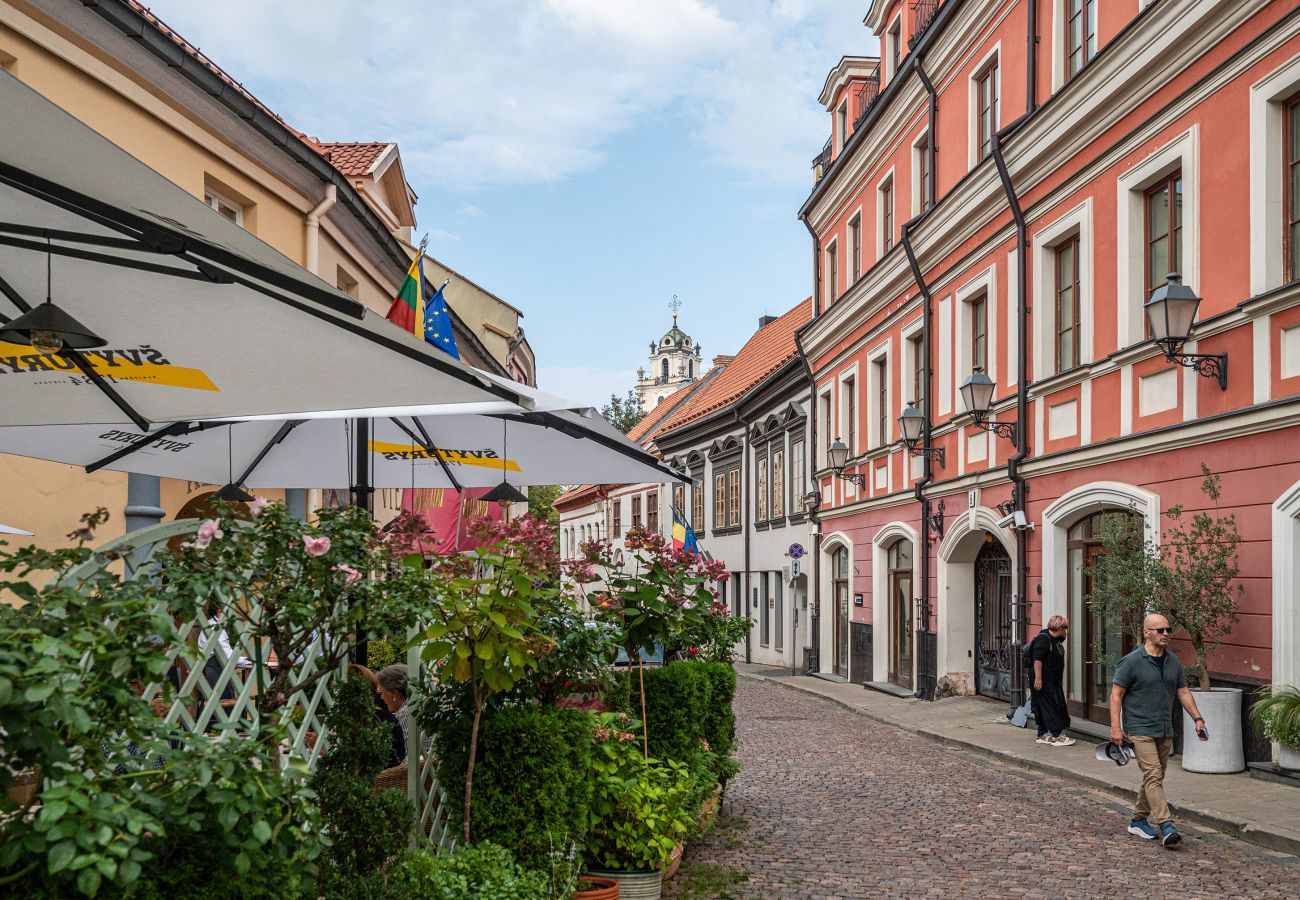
<point x="709" y="808"/>
<point x="674" y="861"/>
<point x="595" y="887"/>
<point x="635" y="885"/>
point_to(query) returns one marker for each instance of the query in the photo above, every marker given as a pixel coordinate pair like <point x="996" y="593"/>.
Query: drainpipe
<point x="810" y="459"/>
<point x="928" y="672"/>
<point x="744" y="522"/>
<point x="931" y="134"/>
<point x="1019" y="488"/>
<point x="1031" y="57"/>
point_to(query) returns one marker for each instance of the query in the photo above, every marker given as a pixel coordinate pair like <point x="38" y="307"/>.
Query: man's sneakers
<point x="1169" y="835"/>
<point x="1142" y="828"/>
<point x="1062" y="741"/>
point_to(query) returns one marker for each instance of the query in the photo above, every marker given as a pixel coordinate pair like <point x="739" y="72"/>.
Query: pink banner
<point x="448" y="515"/>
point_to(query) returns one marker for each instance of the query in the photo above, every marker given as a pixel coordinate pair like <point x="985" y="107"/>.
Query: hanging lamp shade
<point x="911" y="424"/>
<point x="233" y="493"/>
<point x="1172" y="312"/>
<point x="505" y="492"/>
<point x="837" y="455"/>
<point x="48" y="325"/>
<point x="977" y="393"/>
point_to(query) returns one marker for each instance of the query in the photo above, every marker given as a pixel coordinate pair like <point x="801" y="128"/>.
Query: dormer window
<point x="842" y="116"/>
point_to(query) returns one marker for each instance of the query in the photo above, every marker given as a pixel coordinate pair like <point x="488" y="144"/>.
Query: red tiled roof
<point x="354" y="158"/>
<point x="577" y="496"/>
<point x="658" y="412"/>
<point x="770" y="348"/>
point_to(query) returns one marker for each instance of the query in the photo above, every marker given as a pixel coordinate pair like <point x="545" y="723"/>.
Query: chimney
<point x="720" y="360"/>
<point x="764" y="321"/>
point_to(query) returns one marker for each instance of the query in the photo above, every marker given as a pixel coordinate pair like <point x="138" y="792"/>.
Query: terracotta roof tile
<point x="643" y="432"/>
<point x="577" y="496"/>
<point x="766" y="351"/>
<point x="354" y="158"/>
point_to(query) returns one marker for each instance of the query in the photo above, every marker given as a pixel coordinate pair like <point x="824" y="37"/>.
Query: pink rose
<point x="209" y="531"/>
<point x="350" y="575"/>
<point x="316" y="546"/>
<point x="258" y="505"/>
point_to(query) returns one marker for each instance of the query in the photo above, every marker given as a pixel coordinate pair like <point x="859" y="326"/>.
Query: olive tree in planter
<point x="1199" y="597"/>
<point x="1277" y="716"/>
<point x="1126" y="579"/>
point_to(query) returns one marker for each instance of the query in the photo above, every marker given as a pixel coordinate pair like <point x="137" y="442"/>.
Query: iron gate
<point x="993" y="622"/>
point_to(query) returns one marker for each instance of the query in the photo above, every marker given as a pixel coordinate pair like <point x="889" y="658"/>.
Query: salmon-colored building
<point x="1004" y="188"/>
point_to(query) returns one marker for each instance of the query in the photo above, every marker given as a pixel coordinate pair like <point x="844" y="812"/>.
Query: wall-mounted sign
<point x="795" y="551"/>
<point x="857" y="599"/>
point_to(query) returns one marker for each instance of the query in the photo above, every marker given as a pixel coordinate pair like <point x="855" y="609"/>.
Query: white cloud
<point x="498" y="92"/>
<point x="585" y="384"/>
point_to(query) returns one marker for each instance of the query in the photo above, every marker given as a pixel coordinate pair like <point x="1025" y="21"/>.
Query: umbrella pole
<point x="362" y="493"/>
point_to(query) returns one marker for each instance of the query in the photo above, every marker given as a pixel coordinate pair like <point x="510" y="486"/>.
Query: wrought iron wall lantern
<point x="1172" y="314"/>
<point x="837" y="454"/>
<point x="977" y="393"/>
<point x="936" y="519"/>
<point x="911" y="425"/>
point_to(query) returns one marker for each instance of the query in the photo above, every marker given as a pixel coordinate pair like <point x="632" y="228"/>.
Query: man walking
<point x="1141" y="704"/>
<point x="1047" y="651"/>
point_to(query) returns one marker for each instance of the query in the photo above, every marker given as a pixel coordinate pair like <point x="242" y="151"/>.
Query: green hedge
<point x="719" y="717"/>
<point x="484" y="871"/>
<point x="531" y="780"/>
<point x="689" y="702"/>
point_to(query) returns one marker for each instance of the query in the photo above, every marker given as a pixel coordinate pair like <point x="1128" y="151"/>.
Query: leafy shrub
<point x="719" y="718"/>
<point x="382" y="652"/>
<point x="484" y="871"/>
<point x="532" y="784"/>
<point x="677" y="697"/>
<point x="1277" y="715"/>
<point x="365" y="831"/>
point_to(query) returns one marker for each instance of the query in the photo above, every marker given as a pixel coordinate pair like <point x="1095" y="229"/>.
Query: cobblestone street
<point x="832" y="805"/>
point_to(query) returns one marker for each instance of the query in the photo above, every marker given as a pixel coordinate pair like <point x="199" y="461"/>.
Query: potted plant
<point x="1277" y="716"/>
<point x="638" y="811"/>
<point x="595" y="887"/>
<point x="1199" y="596"/>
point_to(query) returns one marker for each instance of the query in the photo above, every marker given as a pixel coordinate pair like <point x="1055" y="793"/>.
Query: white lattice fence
<point x="431" y="803"/>
<point x="219" y="667"/>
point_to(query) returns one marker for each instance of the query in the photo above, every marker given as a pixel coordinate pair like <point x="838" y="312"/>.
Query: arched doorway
<point x="898" y="564"/>
<point x="993" y="638"/>
<point x="840" y="617"/>
<point x="1104" y="642"/>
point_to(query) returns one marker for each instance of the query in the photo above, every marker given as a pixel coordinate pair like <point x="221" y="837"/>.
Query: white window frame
<point x="882" y="626"/>
<point x="1058" y="42"/>
<point x="826" y="414"/>
<point x="1076" y="222"/>
<point x="886" y="178"/>
<point x="973" y="104"/>
<point x="873" y="412"/>
<point x="862" y="246"/>
<point x="214" y="199"/>
<point x="841" y="418"/>
<point x="986" y="283"/>
<point x="1266" y="183"/>
<point x="1180" y="152"/>
<point x="918" y="189"/>
<point x="842" y="123"/>
<point x="896" y="26"/>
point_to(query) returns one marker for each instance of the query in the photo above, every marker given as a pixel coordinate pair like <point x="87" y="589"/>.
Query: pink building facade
<point x="1005" y="186"/>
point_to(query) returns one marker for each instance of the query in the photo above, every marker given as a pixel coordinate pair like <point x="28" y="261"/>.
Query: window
<point x="778" y="484"/>
<point x="850" y="431"/>
<point x="1291" y="187"/>
<point x="733" y="497"/>
<point x="690" y="368"/>
<point x="663" y="369"/>
<point x="764" y="612"/>
<point x="832" y="273"/>
<point x="979" y="331"/>
<point x="824" y="414"/>
<point x="760" y="490"/>
<point x="652" y="511"/>
<point x="679" y="500"/>
<point x="843" y="117"/>
<point x="697" y="502"/>
<point x="917" y="349"/>
<point x="228" y="208"/>
<point x="924" y="189"/>
<point x="1080" y="34"/>
<point x="895" y="46"/>
<point x="855" y="245"/>
<point x="720" y="500"/>
<point x="346" y="283"/>
<point x="1067" y="304"/>
<point x="1164" y="232"/>
<point x="887" y="215"/>
<point x="618" y="516"/>
<point x="797" y="475"/>
<point x="636" y="511"/>
<point x="881" y="374"/>
<point x="986" y="108"/>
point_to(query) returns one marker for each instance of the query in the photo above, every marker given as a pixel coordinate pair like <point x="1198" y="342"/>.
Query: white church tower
<point x="674" y="362"/>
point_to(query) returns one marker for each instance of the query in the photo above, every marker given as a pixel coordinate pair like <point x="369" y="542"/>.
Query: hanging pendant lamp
<point x="231" y="492"/>
<point x="50" y="328"/>
<point x="504" y="492"/>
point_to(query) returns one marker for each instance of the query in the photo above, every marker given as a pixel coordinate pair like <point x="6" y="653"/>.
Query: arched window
<point x="690" y="368"/>
<point x="663" y="368"/>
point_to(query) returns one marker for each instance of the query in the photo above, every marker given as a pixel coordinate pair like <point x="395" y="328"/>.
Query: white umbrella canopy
<point x="201" y="319"/>
<point x="9" y="529"/>
<point x="445" y="451"/>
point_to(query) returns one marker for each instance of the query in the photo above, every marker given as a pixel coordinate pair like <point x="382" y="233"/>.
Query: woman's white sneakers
<point x="1062" y="741"/>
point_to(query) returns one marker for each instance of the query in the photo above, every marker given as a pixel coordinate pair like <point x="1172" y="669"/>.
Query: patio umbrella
<point x="443" y="451"/>
<point x="165" y="310"/>
<point x="9" y="529"/>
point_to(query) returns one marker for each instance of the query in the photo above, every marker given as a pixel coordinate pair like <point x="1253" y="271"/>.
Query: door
<point x="1103" y="643"/>
<point x="840" y="617"/>
<point x="899" y="560"/>
<point x="993" y="636"/>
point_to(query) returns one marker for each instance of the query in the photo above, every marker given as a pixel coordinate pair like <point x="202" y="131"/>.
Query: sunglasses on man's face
<point x="1161" y="630"/>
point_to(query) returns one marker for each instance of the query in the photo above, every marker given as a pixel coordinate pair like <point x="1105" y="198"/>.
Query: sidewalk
<point x="1253" y="810"/>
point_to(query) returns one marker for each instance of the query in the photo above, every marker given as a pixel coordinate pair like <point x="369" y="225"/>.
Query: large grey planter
<point x="1223" y="752"/>
<point x="635" y="885"/>
<point x="1289" y="758"/>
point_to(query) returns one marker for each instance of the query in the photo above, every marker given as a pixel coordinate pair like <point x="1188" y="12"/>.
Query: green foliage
<point x="719" y="716"/>
<point x="126" y="802"/>
<point x="484" y="872"/>
<point x="541" y="502"/>
<point x="365" y="830"/>
<point x="383" y="652"/>
<point x="1200" y="555"/>
<point x="1127" y="577"/>
<point x="714" y="636"/>
<point x="1277" y="715"/>
<point x="677" y="698"/>
<point x="532" y="785"/>
<point x="639" y="805"/>
<point x="580" y="658"/>
<point x="623" y="413"/>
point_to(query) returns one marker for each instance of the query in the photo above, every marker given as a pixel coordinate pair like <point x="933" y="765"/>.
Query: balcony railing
<point x="867" y="94"/>
<point x="821" y="163"/>
<point x="923" y="13"/>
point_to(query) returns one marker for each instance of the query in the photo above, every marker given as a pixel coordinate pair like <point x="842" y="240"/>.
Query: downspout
<point x="744" y="522"/>
<point x="815" y="604"/>
<point x="312" y="227"/>
<point x="1019" y="488"/>
<point x="1031" y="57"/>
<point x="929" y="673"/>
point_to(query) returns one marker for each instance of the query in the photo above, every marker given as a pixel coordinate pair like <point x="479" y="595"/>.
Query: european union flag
<point x="437" y="321"/>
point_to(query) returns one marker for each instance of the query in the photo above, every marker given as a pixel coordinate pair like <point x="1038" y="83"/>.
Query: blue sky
<point x="583" y="159"/>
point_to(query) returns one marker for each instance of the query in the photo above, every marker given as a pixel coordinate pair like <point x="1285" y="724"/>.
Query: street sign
<point x="795" y="551"/>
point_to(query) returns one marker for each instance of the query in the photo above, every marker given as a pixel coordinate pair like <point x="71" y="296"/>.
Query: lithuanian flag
<point x="407" y="311"/>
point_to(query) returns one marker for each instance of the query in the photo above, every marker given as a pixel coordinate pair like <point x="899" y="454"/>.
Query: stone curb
<point x="1244" y="830"/>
